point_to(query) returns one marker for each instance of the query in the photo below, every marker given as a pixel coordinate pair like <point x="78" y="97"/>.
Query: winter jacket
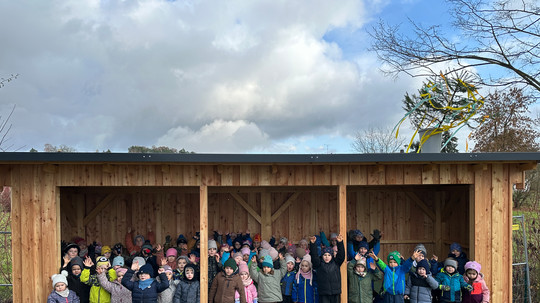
<point x="187" y="292"/>
<point x="213" y="269"/>
<point x="97" y="293"/>
<point x="455" y="281"/>
<point x="480" y="292"/>
<point x="269" y="285"/>
<point x="251" y="293"/>
<point x="419" y="289"/>
<point x="224" y="287"/>
<point x="394" y="277"/>
<point x="167" y="295"/>
<point x="360" y="288"/>
<point x="461" y="260"/>
<point x="132" y="248"/>
<point x="119" y="294"/>
<point x="147" y="295"/>
<point x="81" y="289"/>
<point x="305" y="290"/>
<point x="287" y="283"/>
<point x="329" y="277"/>
<point x="56" y="298"/>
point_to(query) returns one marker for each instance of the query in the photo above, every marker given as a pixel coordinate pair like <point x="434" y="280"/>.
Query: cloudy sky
<point x="237" y="76"/>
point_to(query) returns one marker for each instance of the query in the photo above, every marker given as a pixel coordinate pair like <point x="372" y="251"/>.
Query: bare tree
<point x="503" y="33"/>
<point x="377" y="140"/>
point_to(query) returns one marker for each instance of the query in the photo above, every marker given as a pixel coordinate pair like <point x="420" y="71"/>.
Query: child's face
<point x="76" y="270"/>
<point x="212" y="252"/>
<point x="359" y="268"/>
<point x="237" y="245"/>
<point x="419" y="258"/>
<point x="119" y="277"/>
<point x="107" y="255"/>
<point x="266" y="269"/>
<point x="170" y="259"/>
<point x="327" y="257"/>
<point x="246" y="258"/>
<point x="304" y="245"/>
<point x="333" y="242"/>
<point x="60" y="286"/>
<point x="362" y="250"/>
<point x="449" y="269"/>
<point x="189" y="274"/>
<point x="392" y="263"/>
<point x="139" y="242"/>
<point x="456" y="252"/>
<point x="256" y="244"/>
<point x="228" y="271"/>
<point x="72" y="253"/>
<point x="471" y="274"/>
<point x="290" y="266"/>
<point x="116" y="267"/>
<point x="143" y="277"/>
<point x="244" y="275"/>
<point x="304" y="266"/>
<point x="421" y="271"/>
<point x="169" y="275"/>
<point x="238" y="259"/>
<point x="181" y="264"/>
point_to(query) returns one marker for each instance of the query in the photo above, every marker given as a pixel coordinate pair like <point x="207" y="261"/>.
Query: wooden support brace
<point x="266" y="216"/>
<point x="247" y="207"/>
<point x="527" y="166"/>
<point x="104" y="203"/>
<point x="421" y="204"/>
<point x="284" y="206"/>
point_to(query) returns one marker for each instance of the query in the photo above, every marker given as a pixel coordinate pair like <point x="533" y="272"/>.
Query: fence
<point x="6" y="288"/>
<point x="521" y="287"/>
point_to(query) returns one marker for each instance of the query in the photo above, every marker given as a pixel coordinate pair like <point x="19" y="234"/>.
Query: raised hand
<point x="163" y="261"/>
<point x="88" y="262"/>
<point x="339" y="238"/>
<point x="312" y="239"/>
<point x="135" y="266"/>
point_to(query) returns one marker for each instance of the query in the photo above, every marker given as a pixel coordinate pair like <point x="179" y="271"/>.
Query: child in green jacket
<point x="359" y="279"/>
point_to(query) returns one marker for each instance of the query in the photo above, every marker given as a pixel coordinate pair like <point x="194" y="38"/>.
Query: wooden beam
<point x="284" y="206"/>
<point x="342" y="214"/>
<point x="528" y="166"/>
<point x="203" y="226"/>
<point x="80" y="206"/>
<point x="421" y="204"/>
<point x="104" y="203"/>
<point x="247" y="207"/>
<point x="266" y="216"/>
<point x="424" y="241"/>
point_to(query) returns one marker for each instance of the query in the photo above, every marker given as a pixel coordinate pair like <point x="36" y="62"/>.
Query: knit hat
<point x="362" y="262"/>
<point x="147" y="247"/>
<point x="181" y="239"/>
<point x="455" y="246"/>
<point x="106" y="249"/>
<point x="357" y="233"/>
<point x="61" y="277"/>
<point x="77" y="261"/>
<point x="422" y="249"/>
<point x="171" y="252"/>
<point x="70" y="246"/>
<point x="283" y="240"/>
<point x="238" y="254"/>
<point x="101" y="261"/>
<point x="272" y="252"/>
<point x="363" y="244"/>
<point x="328" y="250"/>
<point x="121" y="270"/>
<point x="138" y="237"/>
<point x="423" y="263"/>
<point x="263" y="252"/>
<point x="212" y="244"/>
<point x="78" y="240"/>
<point x="230" y="263"/>
<point x="473" y="265"/>
<point x="289" y="258"/>
<point x="257" y="238"/>
<point x="118" y="261"/>
<point x="267" y="261"/>
<point x="333" y="236"/>
<point x="300" y="252"/>
<point x="451" y="262"/>
<point x="303" y="241"/>
<point x="265" y="245"/>
<point x="167" y="268"/>
<point x="242" y="267"/>
<point x="247" y="242"/>
<point x="146" y="269"/>
<point x="245" y="251"/>
<point x="141" y="261"/>
<point x="395" y="255"/>
<point x="183" y="257"/>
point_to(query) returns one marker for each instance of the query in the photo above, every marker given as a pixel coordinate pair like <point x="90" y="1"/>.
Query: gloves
<point x="168" y="239"/>
<point x="376" y="234"/>
<point x="445" y="287"/>
<point x="469" y="288"/>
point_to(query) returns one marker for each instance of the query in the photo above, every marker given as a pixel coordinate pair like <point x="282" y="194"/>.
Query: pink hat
<point x="473" y="265"/>
<point x="167" y="268"/>
<point x="307" y="258"/>
<point x="265" y="245"/>
<point x="121" y="270"/>
<point x="245" y="251"/>
<point x="171" y="252"/>
<point x="273" y="253"/>
<point x="242" y="267"/>
<point x="238" y="254"/>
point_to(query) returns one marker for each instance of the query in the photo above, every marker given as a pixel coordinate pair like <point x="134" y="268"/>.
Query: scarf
<point x="144" y="284"/>
<point x="307" y="275"/>
<point x="361" y="274"/>
<point x="64" y="293"/>
<point x="247" y="282"/>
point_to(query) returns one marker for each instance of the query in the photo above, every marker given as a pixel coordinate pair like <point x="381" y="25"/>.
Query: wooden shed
<point x="434" y="199"/>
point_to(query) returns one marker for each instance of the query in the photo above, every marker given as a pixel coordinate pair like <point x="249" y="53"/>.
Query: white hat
<point x="61" y="277"/>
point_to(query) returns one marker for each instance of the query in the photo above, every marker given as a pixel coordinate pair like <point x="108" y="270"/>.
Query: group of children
<point x="242" y="269"/>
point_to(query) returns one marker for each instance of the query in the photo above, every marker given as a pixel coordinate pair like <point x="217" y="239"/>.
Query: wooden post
<point x="204" y="242"/>
<point x="438" y="225"/>
<point x="266" y="216"/>
<point x="483" y="227"/>
<point x="342" y="194"/>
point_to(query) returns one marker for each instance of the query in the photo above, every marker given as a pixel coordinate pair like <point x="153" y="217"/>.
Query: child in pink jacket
<point x="250" y="289"/>
<point x="473" y="277"/>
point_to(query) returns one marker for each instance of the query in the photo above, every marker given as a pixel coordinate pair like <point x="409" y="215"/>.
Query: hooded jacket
<point x="269" y="285"/>
<point x="419" y="289"/>
<point x="119" y="294"/>
<point x="394" y="277"/>
<point x="147" y="295"/>
<point x="56" y="298"/>
<point x="455" y="281"/>
<point x="305" y="290"/>
<point x="98" y="294"/>
<point x="187" y="291"/>
<point x="223" y="289"/>
<point x="328" y="274"/>
<point x="360" y="289"/>
<point x="480" y="292"/>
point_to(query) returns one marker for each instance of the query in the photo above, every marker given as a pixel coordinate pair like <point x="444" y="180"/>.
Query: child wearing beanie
<point x="268" y="279"/>
<point x="188" y="288"/>
<point x="305" y="285"/>
<point x="167" y="295"/>
<point x="249" y="287"/>
<point x="90" y="274"/>
<point x="181" y="263"/>
<point x="394" y="274"/>
<point x="288" y="279"/>
<point x="74" y="280"/>
<point x="213" y="262"/>
<point x="60" y="292"/>
<point x="327" y="268"/>
<point x="420" y="283"/>
<point x="146" y="289"/>
<point x="473" y="277"/>
<point x="457" y="253"/>
<point x="170" y="256"/>
<point x="119" y="294"/>
<point x="451" y="282"/>
<point x="225" y="284"/>
<point x="360" y="279"/>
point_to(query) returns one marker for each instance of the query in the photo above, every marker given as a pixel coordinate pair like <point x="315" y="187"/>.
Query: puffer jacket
<point x="419" y="289"/>
<point x="213" y="269"/>
<point x="305" y="290"/>
<point x="167" y="295"/>
<point x="455" y="281"/>
<point x="187" y="292"/>
<point x="81" y="289"/>
<point x="147" y="295"/>
<point x="56" y="298"/>
<point x="360" y="289"/>
<point x="250" y="290"/>
<point x="329" y="277"/>
<point x="269" y="285"/>
<point x="119" y="294"/>
<point x="98" y="294"/>
<point x="224" y="287"/>
<point x="287" y="283"/>
<point x="480" y="292"/>
<point x="394" y="277"/>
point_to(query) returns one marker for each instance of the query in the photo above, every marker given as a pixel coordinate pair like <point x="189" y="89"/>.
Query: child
<point x="213" y="262"/>
<point x="181" y="263"/>
<point x="327" y="268"/>
<point x="106" y="251"/>
<point x="146" y="289"/>
<point x="305" y="286"/>
<point x="288" y="279"/>
<point x="89" y="277"/>
<point x="188" y="288"/>
<point x="74" y="280"/>
<point x="249" y="287"/>
<point x="457" y="253"/>
<point x="167" y="295"/>
<point x="360" y="279"/>
<point x="61" y="293"/>
<point x="420" y="283"/>
<point x="394" y="274"/>
<point x="473" y="276"/>
<point x="225" y="284"/>
<point x="268" y="279"/>
<point x="134" y="244"/>
<point x="119" y="294"/>
<point x="451" y="282"/>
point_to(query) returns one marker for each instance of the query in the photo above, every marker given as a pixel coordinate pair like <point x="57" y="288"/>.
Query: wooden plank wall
<point x="36" y="196"/>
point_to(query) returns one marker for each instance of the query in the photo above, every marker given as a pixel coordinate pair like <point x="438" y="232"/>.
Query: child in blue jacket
<point x="287" y="280"/>
<point x="394" y="275"/>
<point x="451" y="282"/>
<point x="305" y="284"/>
